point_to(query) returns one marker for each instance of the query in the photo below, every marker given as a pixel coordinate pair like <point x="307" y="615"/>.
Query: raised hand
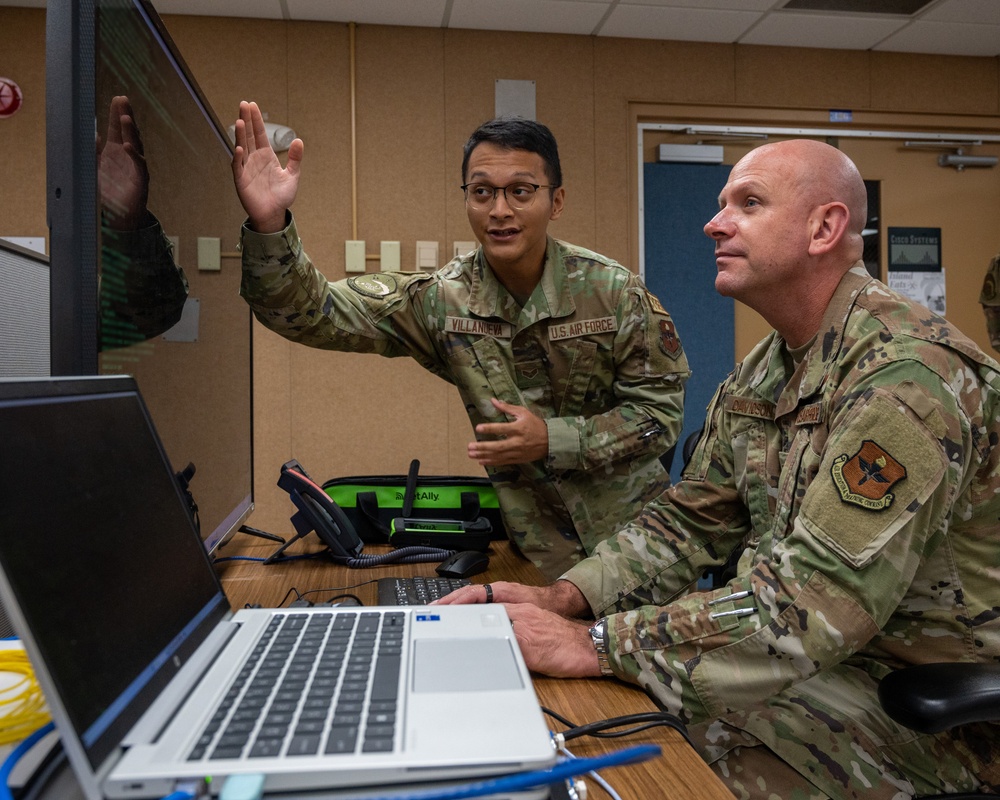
<point x="265" y="188"/>
<point x="122" y="174"/>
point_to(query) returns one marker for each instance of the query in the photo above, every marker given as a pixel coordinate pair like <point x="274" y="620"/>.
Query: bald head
<point x="788" y="229"/>
<point x="821" y="174"/>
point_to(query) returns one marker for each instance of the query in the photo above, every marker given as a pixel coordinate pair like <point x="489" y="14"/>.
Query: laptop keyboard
<point x="315" y="684"/>
<point x="415" y="591"/>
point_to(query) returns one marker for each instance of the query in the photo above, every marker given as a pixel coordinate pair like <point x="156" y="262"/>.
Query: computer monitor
<point x="127" y="232"/>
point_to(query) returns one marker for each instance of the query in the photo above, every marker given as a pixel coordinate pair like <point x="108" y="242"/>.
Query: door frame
<point x="946" y="138"/>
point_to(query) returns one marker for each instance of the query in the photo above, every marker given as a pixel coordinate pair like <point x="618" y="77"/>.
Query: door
<point x="680" y="271"/>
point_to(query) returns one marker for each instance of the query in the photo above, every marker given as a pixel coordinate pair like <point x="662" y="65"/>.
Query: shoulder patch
<point x="670" y="342"/>
<point x="376" y="286"/>
<point x="870" y="487"/>
<point x="655" y="304"/>
<point x="866" y="477"/>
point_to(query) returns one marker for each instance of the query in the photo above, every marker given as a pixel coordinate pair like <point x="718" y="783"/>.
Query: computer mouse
<point x="463" y="564"/>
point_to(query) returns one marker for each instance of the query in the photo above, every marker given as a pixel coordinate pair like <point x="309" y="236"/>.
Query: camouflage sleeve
<point x="362" y="314"/>
<point x="143" y="290"/>
<point x="818" y="593"/>
<point x="989" y="299"/>
<point x="650" y="372"/>
<point x="695" y="524"/>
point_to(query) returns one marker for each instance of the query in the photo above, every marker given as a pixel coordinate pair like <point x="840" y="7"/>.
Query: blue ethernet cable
<point x="517" y="781"/>
<point x="531" y="780"/>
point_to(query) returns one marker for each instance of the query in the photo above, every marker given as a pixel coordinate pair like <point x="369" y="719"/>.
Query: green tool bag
<point x="372" y="502"/>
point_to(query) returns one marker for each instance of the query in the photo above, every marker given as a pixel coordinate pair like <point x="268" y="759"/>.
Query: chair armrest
<point x="931" y="698"/>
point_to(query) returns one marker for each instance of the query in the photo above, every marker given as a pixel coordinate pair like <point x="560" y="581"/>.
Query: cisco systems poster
<point x="915" y="266"/>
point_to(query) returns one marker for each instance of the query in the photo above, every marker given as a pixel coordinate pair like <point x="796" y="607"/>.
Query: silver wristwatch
<point x="599" y="636"/>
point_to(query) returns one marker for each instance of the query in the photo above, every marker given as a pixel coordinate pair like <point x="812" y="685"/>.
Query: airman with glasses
<point x="570" y="371"/>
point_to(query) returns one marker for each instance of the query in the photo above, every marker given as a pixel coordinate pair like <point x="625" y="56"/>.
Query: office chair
<point x="667" y="459"/>
<point x="689" y="445"/>
<point x="931" y="698"/>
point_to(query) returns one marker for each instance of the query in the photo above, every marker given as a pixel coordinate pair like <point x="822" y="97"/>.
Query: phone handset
<point x="318" y="512"/>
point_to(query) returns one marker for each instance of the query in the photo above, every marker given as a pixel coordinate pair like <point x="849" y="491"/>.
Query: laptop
<point x="153" y="681"/>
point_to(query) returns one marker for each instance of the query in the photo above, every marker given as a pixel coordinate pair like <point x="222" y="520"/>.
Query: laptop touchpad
<point x="464" y="665"/>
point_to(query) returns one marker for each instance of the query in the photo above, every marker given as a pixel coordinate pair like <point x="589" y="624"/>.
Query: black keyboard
<point x="319" y="683"/>
<point x="415" y="591"/>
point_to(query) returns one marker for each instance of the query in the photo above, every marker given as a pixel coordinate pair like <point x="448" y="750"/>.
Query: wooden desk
<point x="680" y="774"/>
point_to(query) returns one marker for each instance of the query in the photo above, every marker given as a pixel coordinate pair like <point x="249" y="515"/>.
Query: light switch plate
<point x="427" y="255"/>
<point x="389" y="258"/>
<point x="354" y="255"/>
<point x="461" y="248"/>
<point x="209" y="254"/>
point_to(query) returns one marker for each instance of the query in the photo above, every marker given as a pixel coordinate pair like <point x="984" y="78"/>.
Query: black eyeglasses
<point x="519" y="196"/>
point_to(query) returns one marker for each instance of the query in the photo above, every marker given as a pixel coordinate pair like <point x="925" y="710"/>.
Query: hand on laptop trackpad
<point x="466" y="665"/>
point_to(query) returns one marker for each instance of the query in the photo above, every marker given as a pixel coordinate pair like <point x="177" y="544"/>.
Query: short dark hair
<point x="517" y="133"/>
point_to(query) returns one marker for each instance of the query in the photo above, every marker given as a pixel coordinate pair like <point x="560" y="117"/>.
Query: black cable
<point x="642" y="722"/>
<point x="344" y="590"/>
<point x="270" y="560"/>
<point x="402" y="555"/>
<point x="332" y="601"/>
<point x="298" y="596"/>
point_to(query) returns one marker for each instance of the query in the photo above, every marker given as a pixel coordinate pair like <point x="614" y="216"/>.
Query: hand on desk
<point x="551" y="643"/>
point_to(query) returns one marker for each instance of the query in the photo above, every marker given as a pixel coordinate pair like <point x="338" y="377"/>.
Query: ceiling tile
<point x="683" y="24"/>
<point x="710" y="5"/>
<point x="418" y="13"/>
<point x="974" y="11"/>
<point x="834" y="31"/>
<point x="945" y="38"/>
<point x="952" y="27"/>
<point x="543" y="16"/>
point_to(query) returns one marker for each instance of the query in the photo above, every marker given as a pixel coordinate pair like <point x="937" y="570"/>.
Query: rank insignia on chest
<point x="670" y="343"/>
<point x="865" y="478"/>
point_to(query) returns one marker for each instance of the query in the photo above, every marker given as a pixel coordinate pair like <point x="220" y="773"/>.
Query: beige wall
<point x="419" y="93"/>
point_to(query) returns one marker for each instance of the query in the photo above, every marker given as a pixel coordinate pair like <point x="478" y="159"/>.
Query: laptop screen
<point x="99" y="550"/>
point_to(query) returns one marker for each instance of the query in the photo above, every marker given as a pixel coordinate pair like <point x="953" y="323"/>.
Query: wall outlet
<point x="389" y="259"/>
<point x="209" y="254"/>
<point x="427" y="255"/>
<point x="354" y="255"/>
<point x="461" y="248"/>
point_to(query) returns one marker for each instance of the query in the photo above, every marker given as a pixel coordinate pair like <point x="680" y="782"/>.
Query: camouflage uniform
<point x="862" y="489"/>
<point x="142" y="289"/>
<point x="989" y="298"/>
<point x="592" y="353"/>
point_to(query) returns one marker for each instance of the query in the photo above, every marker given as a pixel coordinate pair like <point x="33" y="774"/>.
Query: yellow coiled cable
<point x="22" y="706"/>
